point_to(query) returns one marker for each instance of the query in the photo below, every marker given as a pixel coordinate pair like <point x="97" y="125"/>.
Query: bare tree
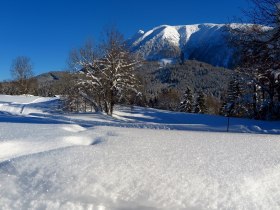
<point x="109" y="71"/>
<point x="87" y="86"/>
<point x="260" y="56"/>
<point x="21" y="71"/>
<point x="264" y="12"/>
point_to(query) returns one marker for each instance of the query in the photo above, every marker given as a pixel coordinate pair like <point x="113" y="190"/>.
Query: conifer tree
<point x="234" y="104"/>
<point x="200" y="106"/>
<point x="186" y="104"/>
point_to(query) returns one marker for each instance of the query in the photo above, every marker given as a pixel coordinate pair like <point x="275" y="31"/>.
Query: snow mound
<point x="154" y="169"/>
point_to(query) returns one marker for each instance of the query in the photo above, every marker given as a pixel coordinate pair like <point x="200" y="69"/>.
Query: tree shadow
<point x="135" y="117"/>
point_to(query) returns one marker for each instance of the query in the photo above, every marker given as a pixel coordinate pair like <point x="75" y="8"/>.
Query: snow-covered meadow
<point x="139" y="159"/>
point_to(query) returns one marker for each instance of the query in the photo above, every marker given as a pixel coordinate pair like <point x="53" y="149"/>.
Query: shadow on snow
<point x="133" y="117"/>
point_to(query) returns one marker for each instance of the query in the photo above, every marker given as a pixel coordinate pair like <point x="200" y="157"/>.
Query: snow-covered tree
<point x="110" y="72"/>
<point x="186" y="104"/>
<point x="200" y="106"/>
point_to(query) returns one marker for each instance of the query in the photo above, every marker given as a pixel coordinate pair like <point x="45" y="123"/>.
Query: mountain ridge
<point x="207" y="42"/>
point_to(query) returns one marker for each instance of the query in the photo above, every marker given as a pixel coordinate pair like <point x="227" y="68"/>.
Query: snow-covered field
<point x="140" y="159"/>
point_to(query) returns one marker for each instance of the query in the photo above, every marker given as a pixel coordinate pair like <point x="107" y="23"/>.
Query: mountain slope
<point x="197" y="76"/>
<point x="203" y="42"/>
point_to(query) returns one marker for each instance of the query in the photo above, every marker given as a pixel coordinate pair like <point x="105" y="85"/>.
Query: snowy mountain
<point x="203" y="42"/>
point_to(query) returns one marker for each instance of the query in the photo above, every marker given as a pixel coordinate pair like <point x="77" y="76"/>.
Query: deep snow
<point x="140" y="159"/>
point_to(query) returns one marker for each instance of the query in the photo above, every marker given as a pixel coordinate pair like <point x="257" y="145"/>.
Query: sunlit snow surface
<point x="140" y="159"/>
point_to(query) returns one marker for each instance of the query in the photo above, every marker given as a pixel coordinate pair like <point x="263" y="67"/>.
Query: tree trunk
<point x="106" y="107"/>
<point x="110" y="103"/>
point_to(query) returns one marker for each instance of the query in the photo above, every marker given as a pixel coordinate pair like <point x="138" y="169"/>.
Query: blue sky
<point x="46" y="30"/>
